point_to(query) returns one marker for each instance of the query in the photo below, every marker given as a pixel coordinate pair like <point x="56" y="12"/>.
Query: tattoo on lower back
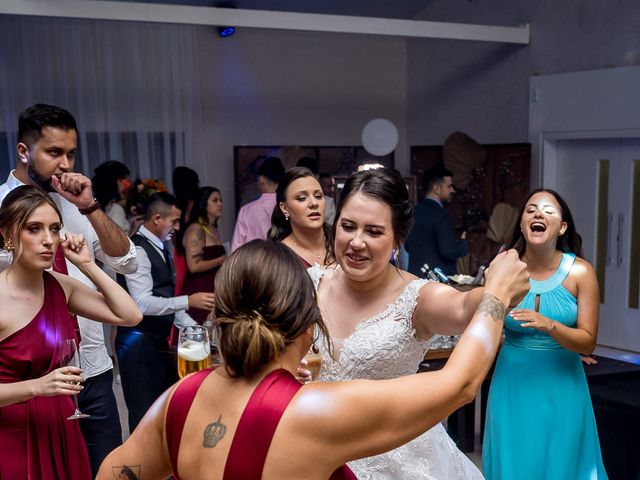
<point x="126" y="472"/>
<point x="213" y="433"/>
<point x="492" y="306"/>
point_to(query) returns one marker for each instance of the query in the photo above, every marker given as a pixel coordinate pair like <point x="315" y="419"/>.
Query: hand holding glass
<point x="314" y="362"/>
<point x="193" y="350"/>
<point x="70" y="357"/>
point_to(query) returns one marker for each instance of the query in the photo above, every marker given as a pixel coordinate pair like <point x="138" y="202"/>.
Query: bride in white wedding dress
<point x="381" y="318"/>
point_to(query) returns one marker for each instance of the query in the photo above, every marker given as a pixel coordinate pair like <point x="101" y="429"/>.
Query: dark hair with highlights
<point x="264" y="301"/>
<point x="569" y="241"/>
<point x="387" y="186"/>
<point x="16" y="208"/>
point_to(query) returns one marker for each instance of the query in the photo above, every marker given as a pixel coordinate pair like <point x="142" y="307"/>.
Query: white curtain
<point x="134" y="89"/>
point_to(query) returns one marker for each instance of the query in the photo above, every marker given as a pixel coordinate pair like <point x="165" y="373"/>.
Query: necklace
<point x="317" y="255"/>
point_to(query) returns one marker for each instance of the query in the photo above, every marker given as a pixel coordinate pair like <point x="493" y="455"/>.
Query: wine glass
<point x="69" y="356"/>
<point x="193" y="349"/>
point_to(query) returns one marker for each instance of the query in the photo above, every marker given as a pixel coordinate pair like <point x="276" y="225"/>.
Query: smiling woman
<point x="539" y="367"/>
<point x="381" y="318"/>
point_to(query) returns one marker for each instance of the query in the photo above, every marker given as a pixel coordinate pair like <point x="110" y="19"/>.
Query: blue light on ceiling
<point x="226" y="31"/>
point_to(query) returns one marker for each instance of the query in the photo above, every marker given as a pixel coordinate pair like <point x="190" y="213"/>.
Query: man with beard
<point x="147" y="365"/>
<point x="47" y="144"/>
<point x="432" y="239"/>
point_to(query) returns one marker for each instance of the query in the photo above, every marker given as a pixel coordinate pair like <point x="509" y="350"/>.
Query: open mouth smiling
<point x="538" y="227"/>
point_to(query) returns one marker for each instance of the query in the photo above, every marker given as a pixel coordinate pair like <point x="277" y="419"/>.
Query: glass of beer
<point x="193" y="349"/>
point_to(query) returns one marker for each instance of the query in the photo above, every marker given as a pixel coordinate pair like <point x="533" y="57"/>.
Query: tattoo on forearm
<point x="126" y="472"/>
<point x="492" y="306"/>
<point x="213" y="433"/>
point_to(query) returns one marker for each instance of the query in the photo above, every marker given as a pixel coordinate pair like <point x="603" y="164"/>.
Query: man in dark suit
<point x="432" y="239"/>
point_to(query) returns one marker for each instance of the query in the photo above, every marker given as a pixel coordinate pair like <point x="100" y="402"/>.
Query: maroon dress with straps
<point x="255" y="430"/>
<point x="36" y="439"/>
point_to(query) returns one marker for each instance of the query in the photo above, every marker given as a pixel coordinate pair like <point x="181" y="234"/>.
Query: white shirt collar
<point x="12" y="181"/>
<point x="152" y="237"/>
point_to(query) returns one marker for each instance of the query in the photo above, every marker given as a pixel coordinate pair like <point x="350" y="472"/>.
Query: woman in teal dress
<point x="540" y="421"/>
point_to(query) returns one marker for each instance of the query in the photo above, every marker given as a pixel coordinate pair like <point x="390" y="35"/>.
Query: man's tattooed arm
<point x="213" y="433"/>
<point x="492" y="306"/>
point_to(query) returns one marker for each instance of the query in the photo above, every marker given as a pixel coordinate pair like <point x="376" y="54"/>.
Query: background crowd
<point x="327" y="278"/>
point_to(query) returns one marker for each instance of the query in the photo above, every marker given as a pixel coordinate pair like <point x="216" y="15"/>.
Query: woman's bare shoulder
<point x="582" y="269"/>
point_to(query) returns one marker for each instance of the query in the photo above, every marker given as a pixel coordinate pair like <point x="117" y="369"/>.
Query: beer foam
<point x="194" y="351"/>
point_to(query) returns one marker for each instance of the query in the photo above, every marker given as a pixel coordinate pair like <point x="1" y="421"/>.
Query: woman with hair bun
<point x="381" y="319"/>
<point x="251" y="419"/>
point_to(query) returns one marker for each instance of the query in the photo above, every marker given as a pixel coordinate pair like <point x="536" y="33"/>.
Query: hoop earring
<point x="8" y="245"/>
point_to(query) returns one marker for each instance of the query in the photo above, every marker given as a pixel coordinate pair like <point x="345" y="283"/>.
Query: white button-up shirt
<point x="93" y="352"/>
<point x="140" y="285"/>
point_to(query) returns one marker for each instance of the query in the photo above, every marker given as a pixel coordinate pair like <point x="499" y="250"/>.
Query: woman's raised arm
<point x="363" y="418"/>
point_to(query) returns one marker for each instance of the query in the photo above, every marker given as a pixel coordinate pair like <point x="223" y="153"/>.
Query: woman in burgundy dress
<point x="36" y="439"/>
<point x="250" y="419"/>
<point x="203" y="249"/>
<point x="298" y="217"/>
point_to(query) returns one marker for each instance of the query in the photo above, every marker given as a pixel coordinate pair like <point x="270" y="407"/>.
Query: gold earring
<point x="8" y="245"/>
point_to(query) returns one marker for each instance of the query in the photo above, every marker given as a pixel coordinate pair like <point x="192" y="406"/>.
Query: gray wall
<point x="291" y="88"/>
<point x="482" y="88"/>
<point x="260" y="87"/>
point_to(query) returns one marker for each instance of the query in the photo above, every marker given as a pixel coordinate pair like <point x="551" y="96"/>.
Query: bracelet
<point x="95" y="205"/>
<point x="553" y="325"/>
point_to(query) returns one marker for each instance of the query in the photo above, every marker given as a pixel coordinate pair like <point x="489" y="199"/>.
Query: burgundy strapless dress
<point x="36" y="439"/>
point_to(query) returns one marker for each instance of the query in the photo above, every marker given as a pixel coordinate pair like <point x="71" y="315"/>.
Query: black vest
<point x="157" y="327"/>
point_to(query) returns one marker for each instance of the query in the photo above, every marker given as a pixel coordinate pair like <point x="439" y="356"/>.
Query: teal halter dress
<point x="540" y="422"/>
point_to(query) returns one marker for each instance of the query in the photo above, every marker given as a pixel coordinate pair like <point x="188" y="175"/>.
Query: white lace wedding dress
<point x="382" y="347"/>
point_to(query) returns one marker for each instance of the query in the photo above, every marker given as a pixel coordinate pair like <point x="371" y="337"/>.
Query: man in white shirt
<point x="47" y="144"/>
<point x="147" y="365"/>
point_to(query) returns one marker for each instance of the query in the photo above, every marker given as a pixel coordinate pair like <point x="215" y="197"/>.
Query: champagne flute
<point x="69" y="356"/>
<point x="193" y="349"/>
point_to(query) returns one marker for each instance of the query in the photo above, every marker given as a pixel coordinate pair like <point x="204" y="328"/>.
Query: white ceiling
<point x="401" y="9"/>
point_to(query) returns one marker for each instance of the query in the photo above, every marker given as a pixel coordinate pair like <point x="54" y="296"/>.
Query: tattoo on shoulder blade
<point x="213" y="433"/>
<point x="126" y="472"/>
<point x="493" y="306"/>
